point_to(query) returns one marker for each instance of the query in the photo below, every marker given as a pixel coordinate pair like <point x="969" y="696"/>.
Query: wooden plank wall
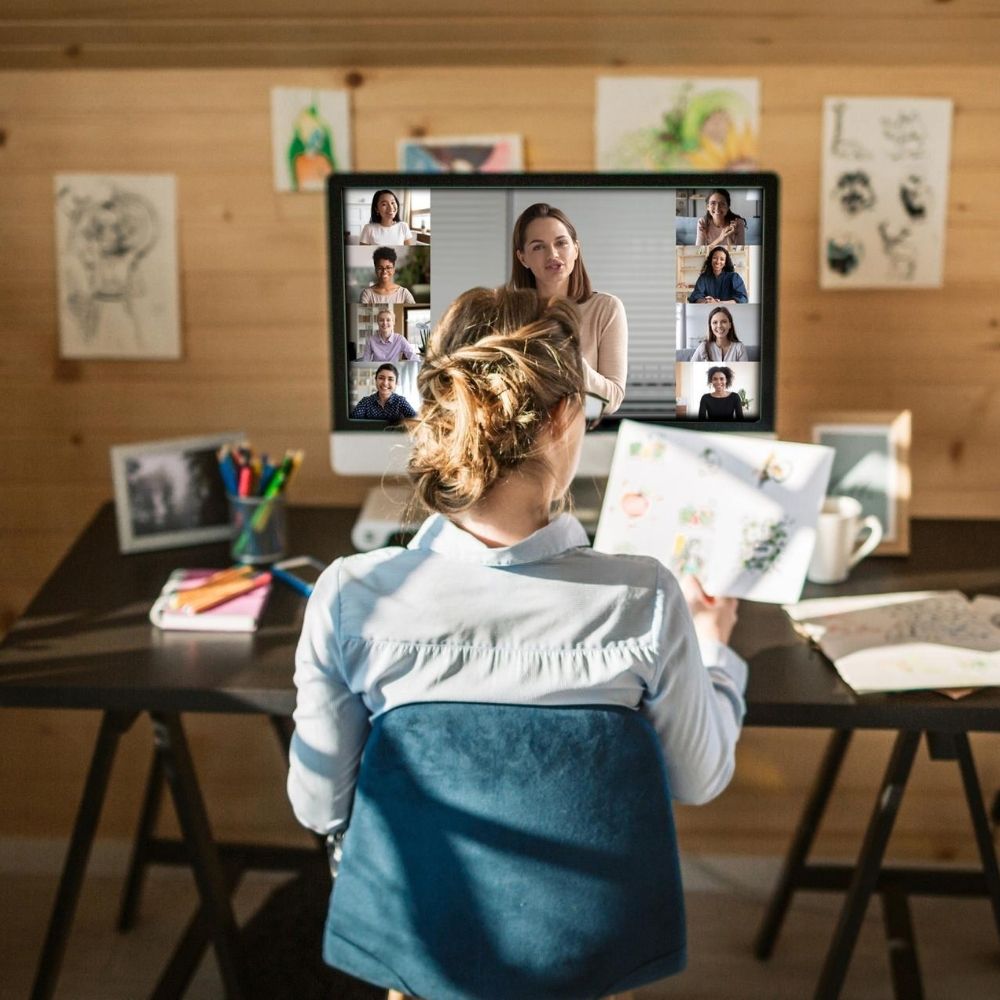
<point x="255" y="354"/>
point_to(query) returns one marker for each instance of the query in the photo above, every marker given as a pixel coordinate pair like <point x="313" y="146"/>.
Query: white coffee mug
<point x="840" y="541"/>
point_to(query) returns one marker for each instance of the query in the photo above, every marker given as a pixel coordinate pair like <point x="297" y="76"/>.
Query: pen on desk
<point x="291" y="580"/>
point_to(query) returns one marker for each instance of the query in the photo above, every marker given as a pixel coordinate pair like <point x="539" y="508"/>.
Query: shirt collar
<point x="438" y="534"/>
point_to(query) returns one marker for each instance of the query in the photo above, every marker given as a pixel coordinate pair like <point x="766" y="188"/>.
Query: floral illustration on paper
<point x="688" y="557"/>
<point x="774" y="469"/>
<point x="647" y="451"/>
<point x="763" y="542"/>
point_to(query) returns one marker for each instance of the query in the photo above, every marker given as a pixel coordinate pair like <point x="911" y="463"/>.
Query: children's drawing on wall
<point x="884" y="192"/>
<point x="737" y="512"/>
<point x="116" y="259"/>
<point x="310" y="137"/>
<point x="471" y="154"/>
<point x="677" y="123"/>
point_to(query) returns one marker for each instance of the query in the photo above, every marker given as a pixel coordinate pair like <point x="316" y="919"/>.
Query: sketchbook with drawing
<point x="736" y="511"/>
<point x="933" y="640"/>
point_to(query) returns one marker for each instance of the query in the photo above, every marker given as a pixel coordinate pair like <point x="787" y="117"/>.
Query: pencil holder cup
<point x="259" y="528"/>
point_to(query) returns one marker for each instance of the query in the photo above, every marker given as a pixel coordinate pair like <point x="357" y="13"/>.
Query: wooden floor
<point x="959" y="947"/>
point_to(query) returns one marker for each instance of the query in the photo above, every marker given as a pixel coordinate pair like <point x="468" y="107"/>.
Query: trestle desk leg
<point x="213" y="886"/>
<point x="904" y="965"/>
<point x="113" y="725"/>
<point x="980" y="824"/>
<point x="802" y="842"/>
<point x="868" y="866"/>
<point x="136" y="875"/>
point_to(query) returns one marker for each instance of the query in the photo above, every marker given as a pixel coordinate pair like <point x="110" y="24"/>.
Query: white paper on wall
<point x="739" y="513"/>
<point x="116" y="264"/>
<point x="884" y="192"/>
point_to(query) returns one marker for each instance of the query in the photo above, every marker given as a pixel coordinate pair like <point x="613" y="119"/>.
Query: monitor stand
<point x="389" y="510"/>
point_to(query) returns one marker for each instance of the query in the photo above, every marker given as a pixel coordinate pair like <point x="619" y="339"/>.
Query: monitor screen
<point x="674" y="276"/>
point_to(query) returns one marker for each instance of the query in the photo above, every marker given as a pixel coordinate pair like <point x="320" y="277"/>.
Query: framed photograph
<point x="170" y="493"/>
<point x="872" y="464"/>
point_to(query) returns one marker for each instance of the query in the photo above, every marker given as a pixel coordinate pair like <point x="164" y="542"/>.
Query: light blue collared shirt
<point x="547" y="621"/>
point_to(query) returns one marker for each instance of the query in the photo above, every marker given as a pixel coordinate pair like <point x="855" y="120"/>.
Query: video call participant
<point x="720" y="225"/>
<point x="383" y="404"/>
<point x="499" y="597"/>
<point x="721" y="344"/>
<point x="546" y="256"/>
<point x="385" y="288"/>
<point x="387" y="345"/>
<point x="719" y="280"/>
<point x="720" y="403"/>
<point x="385" y="229"/>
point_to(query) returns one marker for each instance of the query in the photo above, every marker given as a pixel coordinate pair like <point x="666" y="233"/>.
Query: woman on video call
<point x="383" y="403"/>
<point x="499" y="597"/>
<point x="546" y="256"/>
<point x="720" y="403"/>
<point x="385" y="229"/>
<point x="385" y="288"/>
<point x="387" y="345"/>
<point x="720" y="226"/>
<point x="719" y="281"/>
<point x="721" y="344"/>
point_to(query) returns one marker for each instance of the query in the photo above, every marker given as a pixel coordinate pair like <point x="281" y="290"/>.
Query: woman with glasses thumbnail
<point x="720" y="225"/>
<point x="499" y="597"/>
<point x="546" y="256"/>
<point x="385" y="288"/>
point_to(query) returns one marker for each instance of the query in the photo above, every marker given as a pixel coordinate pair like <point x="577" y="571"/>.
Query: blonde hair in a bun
<point x="495" y="368"/>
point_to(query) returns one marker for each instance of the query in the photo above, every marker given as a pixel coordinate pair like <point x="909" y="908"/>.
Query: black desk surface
<point x="86" y="641"/>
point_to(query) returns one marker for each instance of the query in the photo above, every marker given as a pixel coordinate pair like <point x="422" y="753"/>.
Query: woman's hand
<point x="714" y="617"/>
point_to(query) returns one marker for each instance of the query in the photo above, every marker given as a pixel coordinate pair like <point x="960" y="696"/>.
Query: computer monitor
<point x="648" y="242"/>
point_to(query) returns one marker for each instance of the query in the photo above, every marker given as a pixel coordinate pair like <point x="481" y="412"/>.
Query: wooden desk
<point x="85" y="642"/>
<point x="793" y="685"/>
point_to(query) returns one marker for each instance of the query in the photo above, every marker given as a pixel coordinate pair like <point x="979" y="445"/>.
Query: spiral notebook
<point x="240" y="614"/>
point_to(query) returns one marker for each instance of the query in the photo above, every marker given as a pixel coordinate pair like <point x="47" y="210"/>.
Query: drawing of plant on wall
<point x="694" y="516"/>
<point x="673" y="123"/>
<point x="117" y="266"/>
<point x="309" y="135"/>
<point x="763" y="541"/>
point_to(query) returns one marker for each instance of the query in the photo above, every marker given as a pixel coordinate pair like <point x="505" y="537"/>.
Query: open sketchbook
<point x="936" y="640"/>
<point x="737" y="511"/>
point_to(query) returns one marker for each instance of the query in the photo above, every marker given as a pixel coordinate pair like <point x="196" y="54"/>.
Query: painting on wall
<point x="468" y="154"/>
<point x="884" y="192"/>
<point x="872" y="464"/>
<point x="116" y="261"/>
<point x="677" y="123"/>
<point x="310" y="137"/>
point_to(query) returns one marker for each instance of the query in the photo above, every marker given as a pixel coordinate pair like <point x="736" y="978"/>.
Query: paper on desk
<point x="906" y="641"/>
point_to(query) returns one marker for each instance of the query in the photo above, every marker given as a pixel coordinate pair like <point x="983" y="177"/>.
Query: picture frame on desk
<point x="170" y="493"/>
<point x="871" y="464"/>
